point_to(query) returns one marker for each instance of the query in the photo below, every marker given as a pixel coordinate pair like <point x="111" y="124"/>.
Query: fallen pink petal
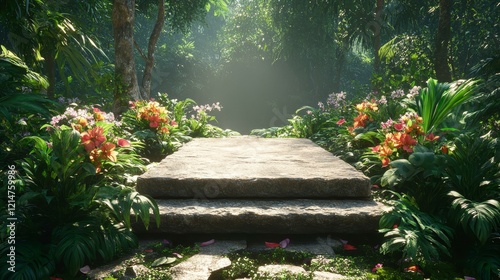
<point x="343" y="241"/>
<point x="85" y="269"/>
<point x="177" y="255"/>
<point x="123" y="143"/>
<point x="469" y="278"/>
<point x="206" y="243"/>
<point x="272" y="245"/>
<point x="148" y="250"/>
<point x="284" y="243"/>
<point x="349" y="247"/>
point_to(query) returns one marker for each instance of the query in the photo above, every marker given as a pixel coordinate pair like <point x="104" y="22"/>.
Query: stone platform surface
<point x="251" y="167"/>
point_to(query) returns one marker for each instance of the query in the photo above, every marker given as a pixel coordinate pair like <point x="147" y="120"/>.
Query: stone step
<point x="252" y="167"/>
<point x="292" y="216"/>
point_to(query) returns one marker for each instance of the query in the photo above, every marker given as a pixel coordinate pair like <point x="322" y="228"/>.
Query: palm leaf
<point x="438" y="100"/>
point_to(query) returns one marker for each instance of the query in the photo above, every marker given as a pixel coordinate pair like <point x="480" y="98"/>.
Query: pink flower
<point x="398" y="126"/>
<point x="341" y="121"/>
<point x="377" y="266"/>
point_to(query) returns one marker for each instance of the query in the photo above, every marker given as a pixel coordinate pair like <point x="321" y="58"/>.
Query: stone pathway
<point x="256" y="185"/>
<point x="211" y="260"/>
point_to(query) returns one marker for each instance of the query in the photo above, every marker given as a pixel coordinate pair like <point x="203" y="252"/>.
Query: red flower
<point x="341" y="121"/>
<point x="395" y="226"/>
<point x="431" y="137"/>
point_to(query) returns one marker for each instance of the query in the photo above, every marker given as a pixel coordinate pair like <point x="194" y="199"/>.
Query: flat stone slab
<point x="252" y="167"/>
<point x="210" y="259"/>
<point x="292" y="216"/>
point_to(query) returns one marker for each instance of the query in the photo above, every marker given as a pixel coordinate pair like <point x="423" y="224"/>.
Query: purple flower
<point x="387" y="124"/>
<point x="382" y="100"/>
<point x="336" y="100"/>
<point x="321" y="106"/>
<point x="397" y="94"/>
<point x="413" y="92"/>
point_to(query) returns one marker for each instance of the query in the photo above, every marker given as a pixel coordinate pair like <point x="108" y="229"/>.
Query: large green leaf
<point x="438" y="100"/>
<point x="477" y="218"/>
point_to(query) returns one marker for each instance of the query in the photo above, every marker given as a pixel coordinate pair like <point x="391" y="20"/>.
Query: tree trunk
<point x="155" y="34"/>
<point x="443" y="36"/>
<point x="126" y="87"/>
<point x="50" y="69"/>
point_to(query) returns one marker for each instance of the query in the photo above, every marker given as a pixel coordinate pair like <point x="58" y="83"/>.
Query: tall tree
<point x="443" y="36"/>
<point x="179" y="14"/>
<point x="126" y="87"/>
<point x="153" y="39"/>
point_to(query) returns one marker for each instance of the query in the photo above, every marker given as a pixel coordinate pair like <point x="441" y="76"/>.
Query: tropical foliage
<point x="440" y="179"/>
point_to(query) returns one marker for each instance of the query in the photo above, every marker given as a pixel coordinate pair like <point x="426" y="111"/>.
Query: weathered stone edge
<point x="213" y="188"/>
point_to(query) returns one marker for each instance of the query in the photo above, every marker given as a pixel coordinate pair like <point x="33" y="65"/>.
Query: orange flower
<point x="83" y="122"/>
<point x="360" y="120"/>
<point x="404" y="141"/>
<point x="385" y="161"/>
<point x="164" y="129"/>
<point x="93" y="138"/>
<point x="444" y="149"/>
<point x="94" y="157"/>
<point x="98" y="116"/>
<point x="414" y="268"/>
<point x="108" y="151"/>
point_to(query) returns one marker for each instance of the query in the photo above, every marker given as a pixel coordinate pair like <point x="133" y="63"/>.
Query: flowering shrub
<point x="163" y="124"/>
<point x="400" y="137"/>
<point x="151" y="114"/>
<point x="96" y="133"/>
<point x="365" y="111"/>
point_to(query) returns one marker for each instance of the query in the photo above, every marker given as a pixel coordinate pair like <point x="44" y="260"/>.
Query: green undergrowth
<point x="365" y="262"/>
<point x="358" y="264"/>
